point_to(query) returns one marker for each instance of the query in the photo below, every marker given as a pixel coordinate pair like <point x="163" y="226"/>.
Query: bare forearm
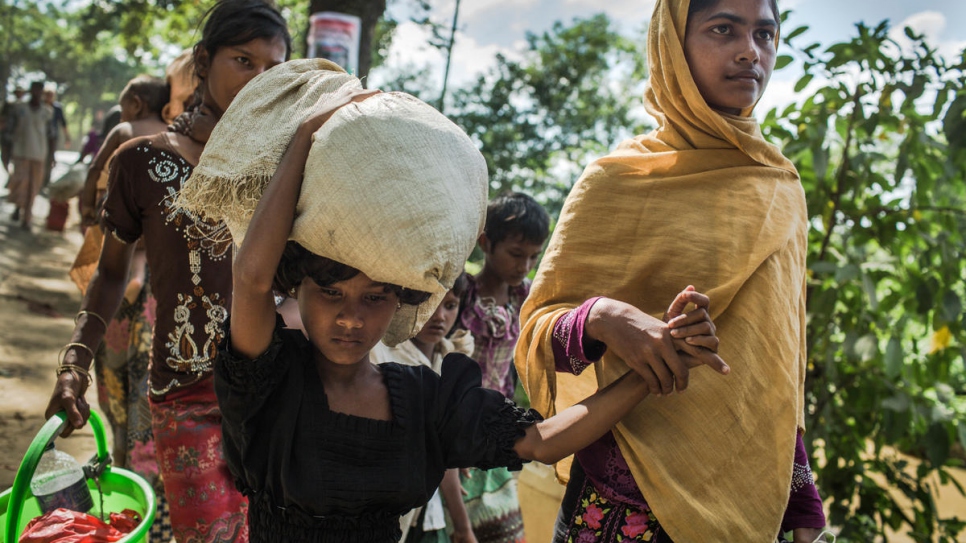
<point x="580" y="425"/>
<point x="452" y="493"/>
<point x="103" y="297"/>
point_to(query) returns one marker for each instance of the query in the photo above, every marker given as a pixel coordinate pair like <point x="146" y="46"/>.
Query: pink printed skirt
<point x="205" y="506"/>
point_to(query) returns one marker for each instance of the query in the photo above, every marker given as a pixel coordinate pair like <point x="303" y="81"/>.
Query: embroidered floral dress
<point x="189" y="259"/>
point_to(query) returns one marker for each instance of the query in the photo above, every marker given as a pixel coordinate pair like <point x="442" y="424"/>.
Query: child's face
<point x="346" y="319"/>
<point x="730" y="49"/>
<point x="442" y="320"/>
<point x="512" y="258"/>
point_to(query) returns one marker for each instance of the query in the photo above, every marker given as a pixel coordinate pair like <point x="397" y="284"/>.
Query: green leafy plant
<point x="880" y="149"/>
<point x="570" y="99"/>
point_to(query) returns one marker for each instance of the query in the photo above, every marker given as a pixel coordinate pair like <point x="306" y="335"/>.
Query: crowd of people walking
<point x="287" y="347"/>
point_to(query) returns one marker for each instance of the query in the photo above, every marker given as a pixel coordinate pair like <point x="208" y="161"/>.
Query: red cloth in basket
<point x="66" y="526"/>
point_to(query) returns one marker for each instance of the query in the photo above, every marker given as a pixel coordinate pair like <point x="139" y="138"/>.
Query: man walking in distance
<point x="58" y="125"/>
<point x="29" y="153"/>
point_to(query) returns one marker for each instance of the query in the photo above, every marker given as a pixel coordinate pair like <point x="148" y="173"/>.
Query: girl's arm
<point x="452" y="493"/>
<point x="253" y="303"/>
<point x="580" y="425"/>
<point x="102" y="299"/>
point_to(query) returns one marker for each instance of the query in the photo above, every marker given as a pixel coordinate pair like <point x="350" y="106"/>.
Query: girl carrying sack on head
<point x="328" y="446"/>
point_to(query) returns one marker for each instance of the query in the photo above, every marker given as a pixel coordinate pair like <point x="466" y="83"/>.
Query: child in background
<point x="512" y="239"/>
<point x="183" y="83"/>
<point x="516" y="227"/>
<point x="141" y="101"/>
<point x="428" y="524"/>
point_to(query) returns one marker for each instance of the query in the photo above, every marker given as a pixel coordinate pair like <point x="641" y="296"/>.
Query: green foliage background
<point x="877" y="130"/>
<point x="880" y="149"/>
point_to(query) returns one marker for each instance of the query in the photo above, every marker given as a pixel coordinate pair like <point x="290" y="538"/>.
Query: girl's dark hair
<point x="297" y="263"/>
<point x="234" y="22"/>
<point x="460" y="286"/>
<point x="154" y="92"/>
<point x="698" y="6"/>
<point x="516" y="214"/>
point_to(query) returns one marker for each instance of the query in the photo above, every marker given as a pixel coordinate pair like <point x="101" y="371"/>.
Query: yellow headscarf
<point x="702" y="200"/>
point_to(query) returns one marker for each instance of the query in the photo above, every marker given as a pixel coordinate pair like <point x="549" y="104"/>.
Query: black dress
<point x="315" y="475"/>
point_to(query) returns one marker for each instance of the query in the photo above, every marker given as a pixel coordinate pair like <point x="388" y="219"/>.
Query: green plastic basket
<point x="120" y="488"/>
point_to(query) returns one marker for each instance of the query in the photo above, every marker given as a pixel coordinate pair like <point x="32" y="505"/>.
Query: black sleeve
<point x="244" y="387"/>
<point x="478" y="427"/>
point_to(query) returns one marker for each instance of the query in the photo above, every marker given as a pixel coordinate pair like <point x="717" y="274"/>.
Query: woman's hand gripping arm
<point x="649" y="347"/>
<point x="253" y="303"/>
<point x="690" y="342"/>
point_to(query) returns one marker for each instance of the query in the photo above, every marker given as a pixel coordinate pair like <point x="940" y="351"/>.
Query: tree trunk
<point x="369" y="11"/>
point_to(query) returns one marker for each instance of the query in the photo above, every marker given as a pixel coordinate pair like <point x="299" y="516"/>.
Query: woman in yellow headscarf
<point x="702" y="200"/>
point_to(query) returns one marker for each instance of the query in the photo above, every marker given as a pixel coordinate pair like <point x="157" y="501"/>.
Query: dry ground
<point x="37" y="305"/>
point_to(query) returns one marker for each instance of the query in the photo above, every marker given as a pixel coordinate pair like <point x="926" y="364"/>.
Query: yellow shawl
<point x="702" y="200"/>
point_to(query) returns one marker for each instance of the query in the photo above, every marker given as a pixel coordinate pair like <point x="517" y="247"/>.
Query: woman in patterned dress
<point x="190" y="279"/>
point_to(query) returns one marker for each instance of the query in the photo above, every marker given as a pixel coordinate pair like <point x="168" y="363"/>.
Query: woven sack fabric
<point x="392" y="187"/>
<point x="247" y="143"/>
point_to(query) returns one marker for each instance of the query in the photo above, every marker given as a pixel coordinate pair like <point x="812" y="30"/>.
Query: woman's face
<point x="730" y="49"/>
<point x="233" y="66"/>
<point x="345" y="320"/>
<point x="440" y="323"/>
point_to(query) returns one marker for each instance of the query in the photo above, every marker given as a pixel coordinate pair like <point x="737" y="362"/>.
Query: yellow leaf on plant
<point x="916" y="214"/>
<point x="940" y="340"/>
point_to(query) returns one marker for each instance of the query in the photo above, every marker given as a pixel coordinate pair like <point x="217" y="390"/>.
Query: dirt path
<point x="37" y="305"/>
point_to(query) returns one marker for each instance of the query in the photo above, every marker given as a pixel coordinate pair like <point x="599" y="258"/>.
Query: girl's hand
<point x="68" y="396"/>
<point x="201" y="123"/>
<point x="315" y="121"/>
<point x="694" y="328"/>
<point x="694" y="332"/>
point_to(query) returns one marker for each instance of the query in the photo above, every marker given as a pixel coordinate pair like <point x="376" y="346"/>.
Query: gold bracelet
<point x="85" y="312"/>
<point x="72" y="344"/>
<point x="74" y="368"/>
